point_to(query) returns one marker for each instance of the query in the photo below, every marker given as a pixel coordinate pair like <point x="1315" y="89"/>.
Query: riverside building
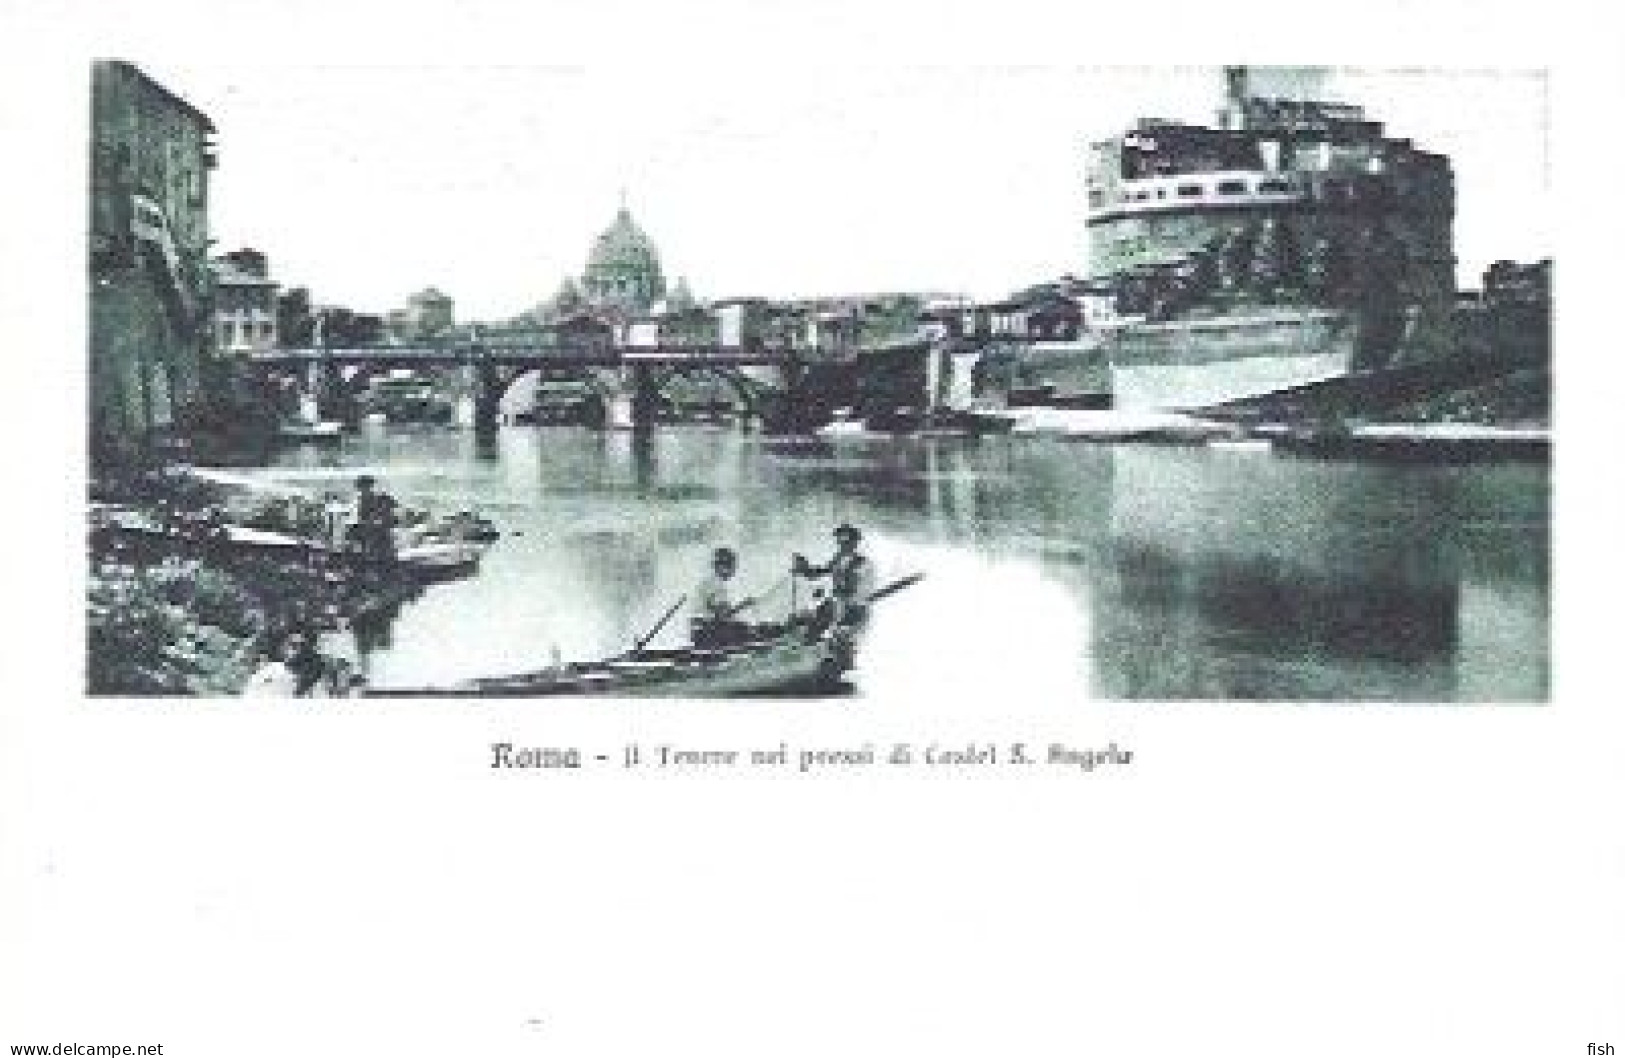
<point x="1292" y="242"/>
<point x="244" y="304"/>
<point x="150" y="283"/>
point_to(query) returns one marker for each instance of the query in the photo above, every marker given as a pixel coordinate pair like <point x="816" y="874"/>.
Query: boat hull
<point x="788" y="665"/>
<point x="1183" y="365"/>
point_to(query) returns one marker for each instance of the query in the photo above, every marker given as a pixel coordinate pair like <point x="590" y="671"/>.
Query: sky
<point x="367" y="183"/>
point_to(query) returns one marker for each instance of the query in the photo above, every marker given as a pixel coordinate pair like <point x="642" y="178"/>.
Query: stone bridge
<point x="629" y="378"/>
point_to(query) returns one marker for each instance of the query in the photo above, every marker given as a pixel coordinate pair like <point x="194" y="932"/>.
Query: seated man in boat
<point x="852" y="582"/>
<point x="715" y="621"/>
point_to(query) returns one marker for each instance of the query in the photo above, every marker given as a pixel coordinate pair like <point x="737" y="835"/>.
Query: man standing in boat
<point x="716" y="615"/>
<point x="852" y="582"/>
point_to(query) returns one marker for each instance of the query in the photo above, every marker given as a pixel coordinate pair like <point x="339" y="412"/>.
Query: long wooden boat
<point x="783" y="660"/>
<point x="783" y="664"/>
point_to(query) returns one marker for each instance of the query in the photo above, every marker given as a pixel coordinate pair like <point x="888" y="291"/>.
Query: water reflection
<point x="1099" y="571"/>
<point x="1266" y="577"/>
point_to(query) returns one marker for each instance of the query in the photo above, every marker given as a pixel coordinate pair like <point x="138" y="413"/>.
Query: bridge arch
<point x="608" y="383"/>
<point x="748" y="390"/>
<point x="755" y="378"/>
<point x="751" y="393"/>
<point x="502" y="382"/>
<point x="279" y="385"/>
<point x="354" y="379"/>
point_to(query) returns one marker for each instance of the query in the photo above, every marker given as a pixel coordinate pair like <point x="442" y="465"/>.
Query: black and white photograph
<point x="764" y="529"/>
<point x="1211" y="383"/>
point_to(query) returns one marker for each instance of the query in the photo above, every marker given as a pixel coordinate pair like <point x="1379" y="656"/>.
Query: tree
<point x="1376" y="294"/>
<point x="295" y="323"/>
<point x="1233" y="252"/>
<point x="1274" y="265"/>
<point x="346" y="327"/>
<point x="1326" y="271"/>
<point x="1203" y="273"/>
<point x="369" y="329"/>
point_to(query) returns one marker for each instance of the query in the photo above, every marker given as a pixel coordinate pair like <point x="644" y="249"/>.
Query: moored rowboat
<point x="428" y="560"/>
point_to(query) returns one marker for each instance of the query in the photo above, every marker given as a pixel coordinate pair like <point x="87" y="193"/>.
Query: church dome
<point x="623" y="267"/>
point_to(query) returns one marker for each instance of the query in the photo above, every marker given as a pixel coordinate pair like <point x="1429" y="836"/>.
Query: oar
<point x="638" y="646"/>
<point x="738" y="608"/>
<point x="896" y="586"/>
<point x="744" y="604"/>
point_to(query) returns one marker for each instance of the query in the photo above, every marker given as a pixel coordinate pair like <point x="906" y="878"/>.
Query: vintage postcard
<point x="742" y="533"/>
<point x="1239" y="388"/>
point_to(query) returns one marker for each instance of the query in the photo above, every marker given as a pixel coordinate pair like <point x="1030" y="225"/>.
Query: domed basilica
<point x="623" y="269"/>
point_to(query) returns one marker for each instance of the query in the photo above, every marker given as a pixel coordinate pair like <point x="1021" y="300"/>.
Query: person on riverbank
<point x="309" y="668"/>
<point x="376" y="517"/>
<point x="715" y="621"/>
<point x="335" y="520"/>
<point x="852" y="582"/>
<point x="340" y="649"/>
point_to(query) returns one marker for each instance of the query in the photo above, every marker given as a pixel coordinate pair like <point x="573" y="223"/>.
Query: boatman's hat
<point x="848" y="529"/>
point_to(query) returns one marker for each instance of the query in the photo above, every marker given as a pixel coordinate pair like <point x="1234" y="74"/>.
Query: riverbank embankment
<point x="1513" y="395"/>
<point x="176" y="613"/>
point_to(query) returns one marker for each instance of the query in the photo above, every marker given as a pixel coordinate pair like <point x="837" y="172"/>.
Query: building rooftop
<point x="227" y="274"/>
<point x="130" y="68"/>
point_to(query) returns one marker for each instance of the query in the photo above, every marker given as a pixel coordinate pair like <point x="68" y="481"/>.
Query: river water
<point x="1087" y="571"/>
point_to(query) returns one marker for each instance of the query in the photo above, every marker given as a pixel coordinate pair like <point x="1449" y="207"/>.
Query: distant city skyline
<point x="368" y="184"/>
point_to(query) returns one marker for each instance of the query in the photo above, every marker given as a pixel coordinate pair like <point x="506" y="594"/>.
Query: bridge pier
<point x="321" y="391"/>
<point x="784" y="397"/>
<point x="487" y="399"/>
<point x="950" y="378"/>
<point x="617" y="412"/>
<point x="645" y="398"/>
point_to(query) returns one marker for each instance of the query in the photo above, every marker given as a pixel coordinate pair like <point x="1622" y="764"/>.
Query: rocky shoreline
<point x="174" y="627"/>
<point x="183" y="616"/>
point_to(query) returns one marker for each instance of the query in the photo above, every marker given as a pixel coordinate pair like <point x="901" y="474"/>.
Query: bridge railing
<point x="500" y="353"/>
